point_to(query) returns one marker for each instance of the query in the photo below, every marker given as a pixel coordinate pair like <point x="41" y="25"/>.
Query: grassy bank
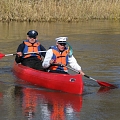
<point x="58" y="10"/>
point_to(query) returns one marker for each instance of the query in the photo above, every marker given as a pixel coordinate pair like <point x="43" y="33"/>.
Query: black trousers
<point x="33" y="62"/>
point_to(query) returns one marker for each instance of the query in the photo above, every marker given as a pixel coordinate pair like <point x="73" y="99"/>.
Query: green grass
<point x="58" y="10"/>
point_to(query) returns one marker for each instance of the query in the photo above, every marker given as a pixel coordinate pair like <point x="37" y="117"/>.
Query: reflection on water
<point x="104" y="89"/>
<point x="95" y="46"/>
<point x="49" y="105"/>
<point x="1" y="97"/>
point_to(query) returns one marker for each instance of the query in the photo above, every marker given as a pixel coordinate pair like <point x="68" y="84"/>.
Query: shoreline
<point x="59" y="10"/>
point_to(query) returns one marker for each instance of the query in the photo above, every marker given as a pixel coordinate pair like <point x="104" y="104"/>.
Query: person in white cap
<point x="57" y="58"/>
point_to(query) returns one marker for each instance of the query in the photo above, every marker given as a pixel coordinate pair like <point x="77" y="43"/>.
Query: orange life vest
<point x="31" y="48"/>
<point x="59" y="57"/>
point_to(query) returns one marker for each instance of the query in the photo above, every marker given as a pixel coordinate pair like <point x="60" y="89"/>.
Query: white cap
<point x="61" y="39"/>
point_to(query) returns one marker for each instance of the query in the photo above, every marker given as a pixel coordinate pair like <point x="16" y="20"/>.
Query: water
<point x="96" y="48"/>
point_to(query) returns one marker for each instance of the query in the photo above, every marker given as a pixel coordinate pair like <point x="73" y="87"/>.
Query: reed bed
<point x="58" y="10"/>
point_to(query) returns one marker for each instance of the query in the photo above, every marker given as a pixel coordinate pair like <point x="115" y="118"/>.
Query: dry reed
<point x="58" y="10"/>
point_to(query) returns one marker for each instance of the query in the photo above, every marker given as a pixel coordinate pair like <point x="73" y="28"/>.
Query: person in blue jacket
<point x="30" y="51"/>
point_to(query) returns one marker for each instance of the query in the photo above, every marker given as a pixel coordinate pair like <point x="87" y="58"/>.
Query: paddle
<point x="101" y="83"/>
<point x="4" y="55"/>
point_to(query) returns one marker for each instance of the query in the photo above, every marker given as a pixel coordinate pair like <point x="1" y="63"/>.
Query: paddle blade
<point x="1" y="55"/>
<point x="104" y="84"/>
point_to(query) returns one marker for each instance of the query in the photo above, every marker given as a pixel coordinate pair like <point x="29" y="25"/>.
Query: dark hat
<point x="32" y="34"/>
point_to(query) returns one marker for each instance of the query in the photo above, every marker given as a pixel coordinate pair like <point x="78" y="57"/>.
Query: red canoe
<point x="62" y="82"/>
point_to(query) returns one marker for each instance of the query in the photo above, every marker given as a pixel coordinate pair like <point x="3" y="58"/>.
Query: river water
<point x="96" y="46"/>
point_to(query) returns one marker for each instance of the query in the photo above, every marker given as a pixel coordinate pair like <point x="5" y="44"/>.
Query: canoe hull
<point x="61" y="82"/>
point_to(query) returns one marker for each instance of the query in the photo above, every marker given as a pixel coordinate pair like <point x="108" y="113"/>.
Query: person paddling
<point x="57" y="58"/>
<point x="31" y="46"/>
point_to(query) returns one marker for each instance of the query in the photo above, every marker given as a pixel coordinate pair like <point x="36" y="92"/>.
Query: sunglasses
<point x="62" y="44"/>
<point x="33" y="37"/>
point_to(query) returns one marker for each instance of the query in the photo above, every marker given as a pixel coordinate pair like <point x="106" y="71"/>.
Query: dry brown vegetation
<point x="58" y="10"/>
